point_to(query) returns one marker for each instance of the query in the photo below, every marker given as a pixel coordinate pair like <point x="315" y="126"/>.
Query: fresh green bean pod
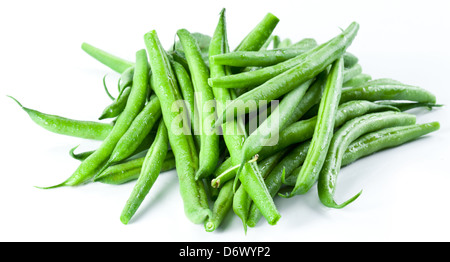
<point x="351" y="72"/>
<point x="67" y="126"/>
<point x="137" y="131"/>
<point x="357" y="80"/>
<point x="300" y="68"/>
<point x="287" y="165"/>
<point x="151" y="167"/>
<point x="376" y="92"/>
<point x="309" y="66"/>
<point x="377" y="141"/>
<point x="187" y="91"/>
<point x="115" y="63"/>
<point x="260" y="58"/>
<point x="130" y="170"/>
<point x="182" y="145"/>
<point x="256" y="38"/>
<point x="91" y="165"/>
<point x="117" y="106"/>
<point x="304" y="129"/>
<point x="222" y="206"/>
<point x="323" y="130"/>
<point x="242" y="200"/>
<point x="385" y="138"/>
<point x="126" y="79"/>
<point x="350" y="60"/>
<point x="209" y="148"/>
<point x="345" y="135"/>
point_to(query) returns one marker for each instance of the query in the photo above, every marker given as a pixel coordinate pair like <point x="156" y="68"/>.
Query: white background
<point x="405" y="190"/>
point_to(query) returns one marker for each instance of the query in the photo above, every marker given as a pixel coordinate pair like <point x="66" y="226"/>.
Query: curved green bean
<point x="67" y="126"/>
<point x="377" y="141"/>
<point x="91" y="165"/>
<point x="346" y="134"/>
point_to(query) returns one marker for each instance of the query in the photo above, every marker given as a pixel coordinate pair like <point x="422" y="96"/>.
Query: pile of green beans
<point x="239" y="126"/>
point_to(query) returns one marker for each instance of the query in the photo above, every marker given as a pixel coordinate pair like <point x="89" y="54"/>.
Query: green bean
<point x="242" y="200"/>
<point x="117" y="106"/>
<point x="309" y="66"/>
<point x="377" y="141"/>
<point x="187" y="91"/>
<point x="258" y="58"/>
<point x="130" y="170"/>
<point x="301" y="67"/>
<point x="351" y="72"/>
<point x="91" y="165"/>
<point x="151" y="167"/>
<point x="256" y="38"/>
<point x="287" y="165"/>
<point x="137" y="131"/>
<point x="350" y="60"/>
<point x="182" y="145"/>
<point x="357" y="80"/>
<point x="387" y="92"/>
<point x="350" y="131"/>
<point x="67" y="126"/>
<point x="126" y="78"/>
<point x="208" y="153"/>
<point x="304" y="129"/>
<point x="221" y="207"/>
<point x="115" y="63"/>
<point x="269" y="129"/>
<point x="323" y="130"/>
<point x="385" y="138"/>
